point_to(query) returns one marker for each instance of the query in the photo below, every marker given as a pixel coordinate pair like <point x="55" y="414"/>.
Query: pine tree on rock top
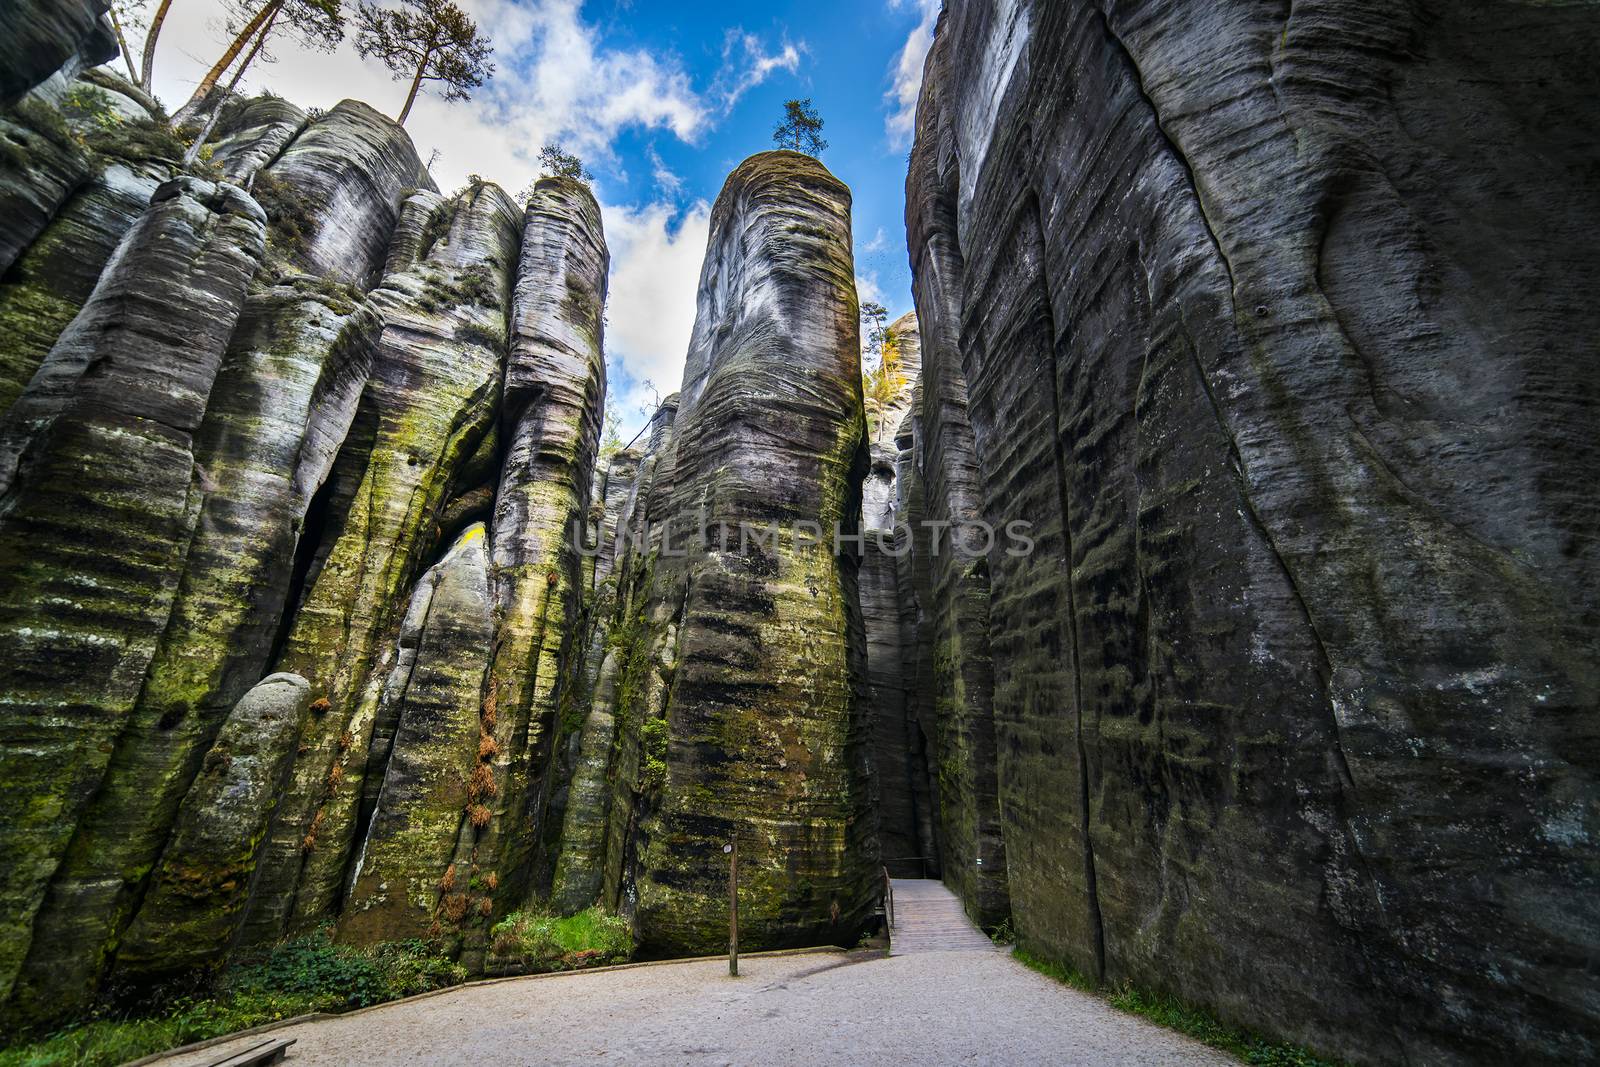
<point x="316" y="24"/>
<point x="426" y="41"/>
<point x="801" y="128"/>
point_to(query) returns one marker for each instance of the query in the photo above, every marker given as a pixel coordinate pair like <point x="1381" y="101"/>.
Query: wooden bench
<point x="269" y="1051"/>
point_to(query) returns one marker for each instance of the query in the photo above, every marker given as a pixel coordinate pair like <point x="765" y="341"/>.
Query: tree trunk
<point x="209" y="82"/>
<point x="149" y="63"/>
<point x="416" y="83"/>
<point x="122" y="43"/>
<point x="216" y="113"/>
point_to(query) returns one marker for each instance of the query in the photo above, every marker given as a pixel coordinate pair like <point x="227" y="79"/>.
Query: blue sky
<point x="662" y="99"/>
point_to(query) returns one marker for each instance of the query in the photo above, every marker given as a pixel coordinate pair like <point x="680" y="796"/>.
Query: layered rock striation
<point x="1211" y="598"/>
<point x="319" y="416"/>
<point x="750" y="716"/>
<point x="1252" y="320"/>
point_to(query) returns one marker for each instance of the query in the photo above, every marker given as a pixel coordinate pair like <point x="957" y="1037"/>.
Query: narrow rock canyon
<point x="1211" y="602"/>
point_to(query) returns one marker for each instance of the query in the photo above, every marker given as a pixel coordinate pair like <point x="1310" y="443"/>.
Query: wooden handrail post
<point x="732" y="849"/>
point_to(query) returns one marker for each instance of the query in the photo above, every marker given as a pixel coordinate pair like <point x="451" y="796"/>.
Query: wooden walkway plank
<point x="928" y="917"/>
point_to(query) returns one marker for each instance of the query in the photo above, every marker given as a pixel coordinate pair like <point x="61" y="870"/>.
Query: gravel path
<point x="959" y="1007"/>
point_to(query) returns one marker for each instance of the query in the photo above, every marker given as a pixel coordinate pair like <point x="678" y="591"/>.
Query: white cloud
<point x="878" y="243"/>
<point x="667" y="183"/>
<point x="867" y="288"/>
<point x="907" y="73"/>
<point x="746" y="64"/>
<point x="555" y="81"/>
<point x="655" y="272"/>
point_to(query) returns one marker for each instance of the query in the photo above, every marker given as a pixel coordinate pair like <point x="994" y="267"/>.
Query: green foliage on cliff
<point x="469" y="286"/>
<point x="1175" y="1015"/>
<point x="546" y="943"/>
<point x="291" y="217"/>
<point x="308" y="974"/>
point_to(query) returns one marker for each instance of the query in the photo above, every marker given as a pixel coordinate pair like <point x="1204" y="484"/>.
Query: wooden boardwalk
<point x="928" y="917"/>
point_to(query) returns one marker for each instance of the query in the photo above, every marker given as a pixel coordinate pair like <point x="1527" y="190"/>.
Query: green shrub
<point x="547" y="943"/>
<point x="137" y="141"/>
<point x="487" y="336"/>
<point x="317" y="968"/>
<point x="291" y="220"/>
<point x="44" y="120"/>
<point x="308" y="974"/>
<point x="653" y="752"/>
<point x="90" y="106"/>
<point x="470" y="285"/>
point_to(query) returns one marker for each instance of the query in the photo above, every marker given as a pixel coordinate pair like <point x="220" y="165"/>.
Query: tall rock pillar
<point x="762" y="732"/>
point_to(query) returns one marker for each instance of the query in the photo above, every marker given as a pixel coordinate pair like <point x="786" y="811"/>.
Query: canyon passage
<point x="1201" y="582"/>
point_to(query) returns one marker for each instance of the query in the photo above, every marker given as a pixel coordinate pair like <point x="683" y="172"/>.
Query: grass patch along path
<point x="1175" y="1015"/>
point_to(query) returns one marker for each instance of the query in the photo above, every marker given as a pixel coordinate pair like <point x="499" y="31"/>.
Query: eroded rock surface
<point x="346" y="176"/>
<point x="428" y="403"/>
<point x="1293" y="698"/>
<point x="42" y="36"/>
<point x="762" y="729"/>
<point x="403" y="871"/>
<point x="555" y="382"/>
<point x="104" y="440"/>
<point x="197" y="894"/>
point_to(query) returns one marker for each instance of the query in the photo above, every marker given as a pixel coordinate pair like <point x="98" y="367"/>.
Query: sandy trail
<point x="940" y="1007"/>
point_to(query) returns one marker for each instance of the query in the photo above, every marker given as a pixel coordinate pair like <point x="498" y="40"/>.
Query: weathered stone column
<point x="104" y="438"/>
<point x="404" y="880"/>
<point x="555" y="384"/>
<point x="762" y="733"/>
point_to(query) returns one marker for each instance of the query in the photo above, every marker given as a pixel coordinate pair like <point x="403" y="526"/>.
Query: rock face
<point x="41" y="166"/>
<point x="403" y="869"/>
<point x="197" y="894"/>
<point x="44" y="35"/>
<point x="1293" y="699"/>
<point x="555" y="384"/>
<point x="254" y="132"/>
<point x="1225" y="617"/>
<point x="104" y="437"/>
<point x="346" y="175"/>
<point x="216" y="470"/>
<point x="759" y="647"/>
<point x="283" y="400"/>
<point x="46" y="286"/>
<point x="904" y="344"/>
<point x="427" y="406"/>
